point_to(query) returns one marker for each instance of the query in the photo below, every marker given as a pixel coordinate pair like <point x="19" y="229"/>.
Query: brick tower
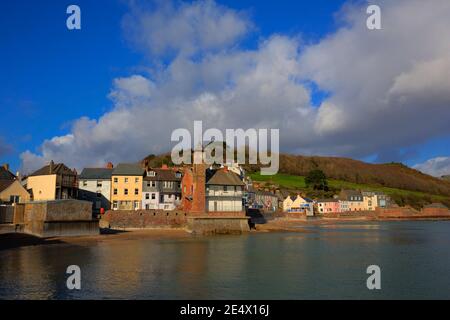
<point x="199" y="183"/>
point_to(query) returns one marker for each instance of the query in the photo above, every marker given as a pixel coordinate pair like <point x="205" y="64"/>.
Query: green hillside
<point x="294" y="184"/>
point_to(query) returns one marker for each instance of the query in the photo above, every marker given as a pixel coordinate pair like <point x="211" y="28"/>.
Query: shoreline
<point x="15" y="240"/>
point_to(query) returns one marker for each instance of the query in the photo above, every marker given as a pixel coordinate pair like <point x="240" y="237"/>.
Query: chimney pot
<point x="6" y="166"/>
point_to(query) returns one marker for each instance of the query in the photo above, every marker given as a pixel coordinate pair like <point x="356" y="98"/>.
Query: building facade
<point x="328" y="206"/>
<point x="126" y="186"/>
<point x="53" y="182"/>
<point x="162" y="188"/>
<point x="224" y="191"/>
<point x="353" y="200"/>
<point x="94" y="185"/>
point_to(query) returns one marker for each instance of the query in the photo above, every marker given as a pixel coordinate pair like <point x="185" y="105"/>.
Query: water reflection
<point x="328" y="263"/>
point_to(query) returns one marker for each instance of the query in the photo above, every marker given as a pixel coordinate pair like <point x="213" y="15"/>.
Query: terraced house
<point x="161" y="188"/>
<point x="224" y="191"/>
<point x="94" y="185"/>
<point x="126" y="186"/>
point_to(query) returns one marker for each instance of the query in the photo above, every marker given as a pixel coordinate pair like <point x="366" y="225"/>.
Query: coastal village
<point x="136" y="195"/>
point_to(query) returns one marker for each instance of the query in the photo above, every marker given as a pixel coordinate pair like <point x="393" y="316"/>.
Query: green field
<point x="297" y="183"/>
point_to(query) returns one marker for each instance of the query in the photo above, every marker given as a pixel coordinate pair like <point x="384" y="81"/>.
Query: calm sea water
<point x="328" y="263"/>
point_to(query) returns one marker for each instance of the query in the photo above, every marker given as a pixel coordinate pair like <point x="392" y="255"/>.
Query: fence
<point x="6" y="214"/>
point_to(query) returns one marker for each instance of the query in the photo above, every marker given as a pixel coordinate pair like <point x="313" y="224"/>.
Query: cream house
<point x="11" y="191"/>
<point x="53" y="182"/>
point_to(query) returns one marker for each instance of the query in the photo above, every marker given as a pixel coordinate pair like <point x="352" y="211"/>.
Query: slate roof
<point x="163" y="175"/>
<point x="6" y="174"/>
<point x="223" y="178"/>
<point x="96" y="173"/>
<point x="4" y="184"/>
<point x="128" y="169"/>
<point x="327" y="200"/>
<point x="58" y="168"/>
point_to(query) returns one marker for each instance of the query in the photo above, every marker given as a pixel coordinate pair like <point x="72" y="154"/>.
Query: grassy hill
<point x="391" y="175"/>
<point x="296" y="184"/>
<point x="405" y="185"/>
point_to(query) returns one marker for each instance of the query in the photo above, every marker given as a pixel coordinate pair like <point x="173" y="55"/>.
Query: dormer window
<point x="151" y="173"/>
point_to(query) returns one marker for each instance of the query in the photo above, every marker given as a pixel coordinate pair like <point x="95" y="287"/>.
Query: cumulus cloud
<point x="438" y="167"/>
<point x="188" y="28"/>
<point x="388" y="89"/>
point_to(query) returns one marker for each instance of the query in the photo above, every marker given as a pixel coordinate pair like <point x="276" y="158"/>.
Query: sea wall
<point x="59" y="218"/>
<point x="143" y="219"/>
<point x="217" y="225"/>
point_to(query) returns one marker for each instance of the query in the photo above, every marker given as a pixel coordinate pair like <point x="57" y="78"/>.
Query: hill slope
<point x="392" y="175"/>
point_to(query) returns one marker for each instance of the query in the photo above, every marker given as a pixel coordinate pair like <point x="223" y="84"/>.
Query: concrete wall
<point x="217" y="225"/>
<point x="59" y="218"/>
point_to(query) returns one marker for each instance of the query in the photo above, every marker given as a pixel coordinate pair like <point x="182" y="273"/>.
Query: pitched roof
<point x="6" y="174"/>
<point x="4" y="184"/>
<point x="96" y="173"/>
<point x="128" y="169"/>
<point x="163" y="175"/>
<point x="223" y="178"/>
<point x="57" y="168"/>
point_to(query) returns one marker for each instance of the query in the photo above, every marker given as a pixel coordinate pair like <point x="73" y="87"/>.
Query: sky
<point x="115" y="90"/>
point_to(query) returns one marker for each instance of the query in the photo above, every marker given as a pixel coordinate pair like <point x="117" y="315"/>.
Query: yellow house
<point x="11" y="191"/>
<point x="53" y="182"/>
<point x="297" y="204"/>
<point x="370" y="200"/>
<point x="126" y="186"/>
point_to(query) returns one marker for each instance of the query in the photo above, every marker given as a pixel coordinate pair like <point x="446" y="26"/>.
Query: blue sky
<point x="50" y="76"/>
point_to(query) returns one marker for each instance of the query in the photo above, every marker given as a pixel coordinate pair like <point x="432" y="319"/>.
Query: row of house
<point x="346" y="201"/>
<point x="130" y="186"/>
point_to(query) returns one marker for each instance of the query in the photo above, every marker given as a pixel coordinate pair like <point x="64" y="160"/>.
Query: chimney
<point x="51" y="165"/>
<point x="6" y="166"/>
<point x="109" y="165"/>
<point x="164" y="166"/>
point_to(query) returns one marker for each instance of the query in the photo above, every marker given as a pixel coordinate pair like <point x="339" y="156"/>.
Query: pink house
<point x="327" y="206"/>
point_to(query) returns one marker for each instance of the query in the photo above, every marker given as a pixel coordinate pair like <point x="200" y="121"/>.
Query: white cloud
<point x="188" y="28"/>
<point x="438" y="167"/>
<point x="389" y="89"/>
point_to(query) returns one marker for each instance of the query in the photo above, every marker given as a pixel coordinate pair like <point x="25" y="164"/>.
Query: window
<point x="136" y="205"/>
<point x="225" y="188"/>
<point x="99" y="195"/>
<point x="116" y="180"/>
<point x="153" y="196"/>
<point x="99" y="184"/>
<point x="115" y="192"/>
<point x="147" y="196"/>
<point x="136" y="192"/>
<point x="148" y="184"/>
<point x="126" y="180"/>
<point x="115" y="205"/>
<point x="153" y="184"/>
<point x="125" y="192"/>
<point x="84" y="183"/>
<point x="136" y="180"/>
<point x="14" y="199"/>
<point x="151" y="173"/>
